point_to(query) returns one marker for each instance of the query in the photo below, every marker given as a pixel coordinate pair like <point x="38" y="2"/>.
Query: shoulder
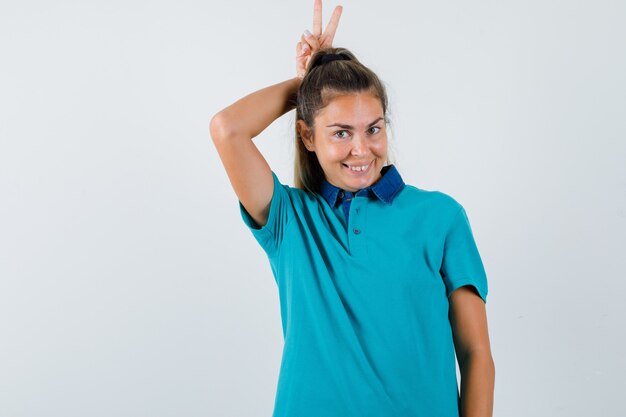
<point x="302" y="196"/>
<point x="429" y="199"/>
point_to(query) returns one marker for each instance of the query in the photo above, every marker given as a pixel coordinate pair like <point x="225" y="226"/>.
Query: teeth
<point x="359" y="168"/>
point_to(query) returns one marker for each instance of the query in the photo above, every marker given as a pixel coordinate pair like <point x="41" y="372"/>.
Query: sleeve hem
<point x="468" y="281"/>
<point x="265" y="234"/>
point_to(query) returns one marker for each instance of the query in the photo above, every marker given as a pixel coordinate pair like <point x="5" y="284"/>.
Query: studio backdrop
<point x="129" y="284"/>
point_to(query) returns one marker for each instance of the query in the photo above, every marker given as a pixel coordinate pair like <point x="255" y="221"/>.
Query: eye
<point x="340" y="131"/>
<point x="374" y="127"/>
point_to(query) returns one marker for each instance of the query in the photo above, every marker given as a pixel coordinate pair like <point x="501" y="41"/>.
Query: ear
<point x="306" y="135"/>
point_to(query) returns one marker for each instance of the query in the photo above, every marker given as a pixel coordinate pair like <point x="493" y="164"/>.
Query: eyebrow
<point x="352" y="127"/>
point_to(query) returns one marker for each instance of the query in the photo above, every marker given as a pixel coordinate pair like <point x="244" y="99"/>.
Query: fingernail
<point x="307" y="33"/>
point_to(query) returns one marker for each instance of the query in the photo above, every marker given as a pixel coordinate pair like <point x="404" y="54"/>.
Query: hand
<point x="312" y="42"/>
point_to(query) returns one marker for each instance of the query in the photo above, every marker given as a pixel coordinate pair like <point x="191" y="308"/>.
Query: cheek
<point x="380" y="147"/>
<point x="334" y="153"/>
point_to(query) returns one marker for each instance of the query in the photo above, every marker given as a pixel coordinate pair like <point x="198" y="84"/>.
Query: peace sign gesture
<point x="312" y="42"/>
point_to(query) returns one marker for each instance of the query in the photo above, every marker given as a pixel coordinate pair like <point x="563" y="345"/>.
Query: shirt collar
<point x="386" y="188"/>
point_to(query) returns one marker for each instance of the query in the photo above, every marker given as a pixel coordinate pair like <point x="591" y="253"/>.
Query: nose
<point x="358" y="145"/>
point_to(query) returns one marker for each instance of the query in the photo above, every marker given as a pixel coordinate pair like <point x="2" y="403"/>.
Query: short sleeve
<point x="461" y="263"/>
<point x="281" y="210"/>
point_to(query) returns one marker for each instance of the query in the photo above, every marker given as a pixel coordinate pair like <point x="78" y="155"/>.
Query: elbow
<point x="219" y="127"/>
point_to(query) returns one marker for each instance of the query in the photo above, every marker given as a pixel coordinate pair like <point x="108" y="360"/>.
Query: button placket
<point x="356" y="230"/>
<point x="356" y="233"/>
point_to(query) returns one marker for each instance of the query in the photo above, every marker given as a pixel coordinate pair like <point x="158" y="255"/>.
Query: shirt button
<point x="341" y="194"/>
<point x="356" y="231"/>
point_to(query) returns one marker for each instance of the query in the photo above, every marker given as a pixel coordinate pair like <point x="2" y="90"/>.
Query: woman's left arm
<point x="468" y="318"/>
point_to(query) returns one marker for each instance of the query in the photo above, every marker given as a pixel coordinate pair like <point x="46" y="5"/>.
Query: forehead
<point x="353" y="108"/>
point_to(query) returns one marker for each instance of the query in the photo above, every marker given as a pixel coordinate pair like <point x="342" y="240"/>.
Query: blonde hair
<point x="321" y="83"/>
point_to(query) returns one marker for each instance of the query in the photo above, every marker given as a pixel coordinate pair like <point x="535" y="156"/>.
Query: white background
<point x="129" y="285"/>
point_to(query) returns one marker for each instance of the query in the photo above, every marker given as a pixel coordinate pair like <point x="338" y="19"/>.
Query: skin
<point x="468" y="319"/>
<point x="318" y="39"/>
<point x="349" y="131"/>
<point x="467" y="312"/>
<point x="232" y="130"/>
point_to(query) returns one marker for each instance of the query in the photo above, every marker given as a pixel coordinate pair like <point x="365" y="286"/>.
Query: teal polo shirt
<point x="364" y="297"/>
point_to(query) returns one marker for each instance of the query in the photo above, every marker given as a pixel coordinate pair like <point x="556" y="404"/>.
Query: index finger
<point x="317" y="18"/>
<point x="331" y="28"/>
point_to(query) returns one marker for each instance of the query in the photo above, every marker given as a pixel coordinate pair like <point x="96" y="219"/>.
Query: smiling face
<point x="350" y="140"/>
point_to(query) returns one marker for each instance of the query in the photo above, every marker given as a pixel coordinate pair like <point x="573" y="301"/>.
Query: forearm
<point x="253" y="113"/>
<point x="477" y="385"/>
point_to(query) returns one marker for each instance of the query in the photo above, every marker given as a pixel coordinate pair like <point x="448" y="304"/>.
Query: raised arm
<point x="233" y="128"/>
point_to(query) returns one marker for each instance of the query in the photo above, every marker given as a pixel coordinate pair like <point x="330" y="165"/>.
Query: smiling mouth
<point x="366" y="170"/>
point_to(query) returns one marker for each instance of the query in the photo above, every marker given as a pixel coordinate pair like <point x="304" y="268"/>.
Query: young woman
<point x="380" y="282"/>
